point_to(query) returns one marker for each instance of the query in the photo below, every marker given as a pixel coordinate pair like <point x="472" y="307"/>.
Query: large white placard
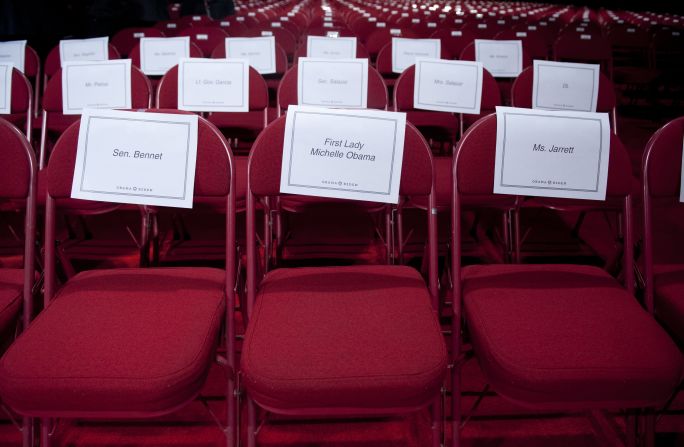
<point x="6" y="88"/>
<point x="448" y="86"/>
<point x="502" y="58"/>
<point x="135" y="157"/>
<point x="551" y="153"/>
<point x="346" y="154"/>
<point x="96" y="85"/>
<point x="158" y="54"/>
<point x="331" y="47"/>
<point x="213" y="85"/>
<point x="341" y="83"/>
<point x="405" y="51"/>
<point x="259" y="51"/>
<point x="565" y="86"/>
<point x="13" y="52"/>
<point x="95" y="49"/>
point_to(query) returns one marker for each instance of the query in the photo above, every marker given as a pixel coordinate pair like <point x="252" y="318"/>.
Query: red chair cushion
<point x="566" y="337"/>
<point x="343" y="337"/>
<point x="11" y="291"/>
<point x="117" y="341"/>
<point x="669" y="299"/>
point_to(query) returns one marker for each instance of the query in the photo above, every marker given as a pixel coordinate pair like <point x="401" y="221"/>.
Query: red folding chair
<point x="574" y="46"/>
<point x="126" y="343"/>
<point x="21" y="109"/>
<point x="53" y="63"/>
<point x="557" y="337"/>
<point x="306" y="367"/>
<point x="453" y="39"/>
<point x="205" y="37"/>
<point x="282" y="36"/>
<point x="663" y="268"/>
<point x="383" y="36"/>
<point x="127" y="38"/>
<point x="18" y="197"/>
<point x="32" y="70"/>
<point x="384" y="63"/>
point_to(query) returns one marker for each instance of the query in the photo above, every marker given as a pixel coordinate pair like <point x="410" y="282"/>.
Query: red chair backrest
<point x="377" y="90"/>
<point x="205" y="37"/>
<point x="127" y="38"/>
<point x="573" y="47"/>
<point x="382" y="36"/>
<point x="22" y="93"/>
<point x="663" y="161"/>
<point x="18" y="163"/>
<point x="453" y="39"/>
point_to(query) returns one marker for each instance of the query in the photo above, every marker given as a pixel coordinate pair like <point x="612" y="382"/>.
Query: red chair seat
<point x="11" y="290"/>
<point x="117" y="342"/>
<point x="568" y="337"/>
<point x="388" y="349"/>
<point x="669" y="298"/>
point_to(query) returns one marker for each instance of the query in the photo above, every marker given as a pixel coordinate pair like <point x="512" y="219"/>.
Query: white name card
<point x="554" y="154"/>
<point x="96" y="85"/>
<point x="565" y="86"/>
<point x="345" y="154"/>
<point x="681" y="187"/>
<point x="405" y="51"/>
<point x="331" y="48"/>
<point x="332" y="82"/>
<point x="134" y="157"/>
<point x="259" y="51"/>
<point x="13" y="52"/>
<point x="213" y="85"/>
<point x="502" y="58"/>
<point x="96" y="49"/>
<point x="6" y="88"/>
<point x="158" y="54"/>
<point x="448" y="86"/>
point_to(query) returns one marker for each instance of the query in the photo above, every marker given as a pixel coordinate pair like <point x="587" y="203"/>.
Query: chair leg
<point x="45" y="432"/>
<point x="251" y="422"/>
<point x="649" y="429"/>
<point x="231" y="412"/>
<point x="437" y="428"/>
<point x="27" y="432"/>
<point x="456" y="403"/>
<point x="631" y="432"/>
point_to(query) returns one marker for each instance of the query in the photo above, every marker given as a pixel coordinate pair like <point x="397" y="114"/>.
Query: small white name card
<point x="96" y="49"/>
<point x="448" y="86"/>
<point x="6" y="88"/>
<point x="213" y="85"/>
<point x="134" y="157"/>
<point x="345" y="154"/>
<point x="681" y="187"/>
<point x="565" y="86"/>
<point x="331" y="48"/>
<point x="13" y="52"/>
<point x="551" y="154"/>
<point x="502" y="58"/>
<point x="259" y="51"/>
<point x="405" y="51"/>
<point x="158" y="54"/>
<point x="96" y="85"/>
<point x="332" y="82"/>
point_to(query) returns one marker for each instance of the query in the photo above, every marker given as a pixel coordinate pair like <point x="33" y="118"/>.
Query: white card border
<point x="310" y="39"/>
<point x="143" y="64"/>
<point x="439" y="108"/>
<point x="127" y="82"/>
<point x="537" y="64"/>
<point x="272" y="45"/>
<point x="516" y="43"/>
<point x="395" y="69"/>
<point x="244" y="107"/>
<point x="6" y="108"/>
<point x="103" y="40"/>
<point x="300" y="81"/>
<point x="22" y="56"/>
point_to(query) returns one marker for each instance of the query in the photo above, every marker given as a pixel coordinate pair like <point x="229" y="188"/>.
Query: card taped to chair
<point x="13" y="52"/>
<point x="339" y="83"/>
<point x="96" y="85"/>
<point x="331" y="47"/>
<point x="6" y="88"/>
<point x="158" y="54"/>
<point x="405" y="51"/>
<point x="565" y="86"/>
<point x="259" y="51"/>
<point x="213" y="85"/>
<point x="345" y="154"/>
<point x="95" y="49"/>
<point x="135" y="157"/>
<point x="502" y="58"/>
<point x="551" y="153"/>
<point x="448" y="86"/>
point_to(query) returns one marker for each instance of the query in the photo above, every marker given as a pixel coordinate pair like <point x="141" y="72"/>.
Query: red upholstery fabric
<point x="377" y="90"/>
<point x="52" y="97"/>
<point x="31" y="62"/>
<point x="54" y="64"/>
<point x="124" y="40"/>
<point x="669" y="299"/>
<point x="381" y="36"/>
<point x="359" y="337"/>
<point x="521" y="93"/>
<point x="571" y="47"/>
<point x="205" y="37"/>
<point x="15" y="169"/>
<point x="212" y="176"/>
<point x="567" y="336"/>
<point x="477" y="151"/>
<point x="453" y="44"/>
<point x="21" y="92"/>
<point x="11" y="291"/>
<point x="664" y="152"/>
<point x="266" y="160"/>
<point x="90" y="351"/>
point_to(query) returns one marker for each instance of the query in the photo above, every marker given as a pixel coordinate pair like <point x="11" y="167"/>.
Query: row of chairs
<point x="335" y="341"/>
